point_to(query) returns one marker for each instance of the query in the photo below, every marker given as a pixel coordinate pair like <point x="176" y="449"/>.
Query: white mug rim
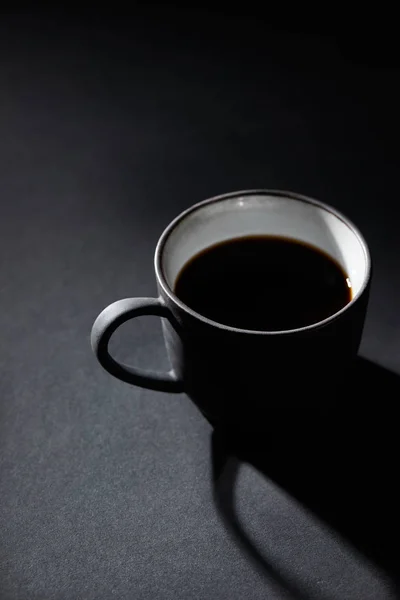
<point x="258" y="192"/>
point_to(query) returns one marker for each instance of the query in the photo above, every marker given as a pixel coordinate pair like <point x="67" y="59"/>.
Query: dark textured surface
<point x="108" y="128"/>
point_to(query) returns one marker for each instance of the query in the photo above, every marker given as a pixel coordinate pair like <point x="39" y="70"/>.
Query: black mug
<point x="234" y="374"/>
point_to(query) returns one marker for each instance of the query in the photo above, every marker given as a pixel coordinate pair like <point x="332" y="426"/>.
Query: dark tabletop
<point x="108" y="129"/>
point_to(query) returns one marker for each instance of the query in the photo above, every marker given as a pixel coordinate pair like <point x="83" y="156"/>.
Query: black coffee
<point x="263" y="283"/>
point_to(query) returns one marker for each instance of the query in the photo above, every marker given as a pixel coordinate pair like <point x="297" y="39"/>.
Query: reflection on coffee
<point x="263" y="283"/>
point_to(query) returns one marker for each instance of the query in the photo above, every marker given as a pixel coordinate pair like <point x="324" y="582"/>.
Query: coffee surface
<point x="263" y="283"/>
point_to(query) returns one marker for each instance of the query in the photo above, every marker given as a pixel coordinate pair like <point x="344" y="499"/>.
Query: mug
<point x="234" y="374"/>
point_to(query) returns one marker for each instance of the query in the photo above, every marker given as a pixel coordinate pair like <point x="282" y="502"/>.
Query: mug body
<point x="241" y="375"/>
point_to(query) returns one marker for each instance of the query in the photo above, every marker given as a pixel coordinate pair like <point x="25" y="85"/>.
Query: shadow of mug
<point x="339" y="459"/>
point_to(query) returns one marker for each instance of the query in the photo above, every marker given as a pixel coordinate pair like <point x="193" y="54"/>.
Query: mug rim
<point x="258" y="192"/>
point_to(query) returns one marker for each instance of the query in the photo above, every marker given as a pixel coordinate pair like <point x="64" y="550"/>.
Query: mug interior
<point x="256" y="213"/>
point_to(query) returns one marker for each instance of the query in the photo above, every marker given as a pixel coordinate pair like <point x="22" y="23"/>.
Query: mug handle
<point x="108" y="322"/>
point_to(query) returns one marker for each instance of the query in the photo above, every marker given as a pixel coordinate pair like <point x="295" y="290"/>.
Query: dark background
<point x="110" y="125"/>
